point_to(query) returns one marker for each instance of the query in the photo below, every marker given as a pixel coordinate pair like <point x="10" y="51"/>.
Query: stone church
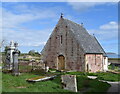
<point x="71" y="47"/>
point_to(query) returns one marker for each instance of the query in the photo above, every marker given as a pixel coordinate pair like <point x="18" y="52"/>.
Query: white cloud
<point x="110" y="26"/>
<point x="28" y="38"/>
<point x="83" y="6"/>
<point x="12" y="20"/>
<point x="12" y="29"/>
<point x="106" y="32"/>
<point x="107" y="35"/>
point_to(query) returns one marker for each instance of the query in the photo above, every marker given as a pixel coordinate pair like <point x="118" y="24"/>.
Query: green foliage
<point x="33" y="53"/>
<point x="116" y="68"/>
<point x="23" y="54"/>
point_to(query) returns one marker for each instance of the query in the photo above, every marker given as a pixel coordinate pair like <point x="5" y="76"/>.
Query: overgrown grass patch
<point x="100" y="75"/>
<point x="108" y="76"/>
<point x="19" y="83"/>
<point x="98" y="86"/>
<point x="91" y="85"/>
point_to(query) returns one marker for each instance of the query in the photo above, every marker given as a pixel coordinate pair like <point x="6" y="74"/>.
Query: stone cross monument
<point x="9" y="56"/>
<point x="12" y="58"/>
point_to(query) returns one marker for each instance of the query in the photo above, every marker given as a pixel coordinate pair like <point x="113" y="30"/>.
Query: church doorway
<point x="61" y="62"/>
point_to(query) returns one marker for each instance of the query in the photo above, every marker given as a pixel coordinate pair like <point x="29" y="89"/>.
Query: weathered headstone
<point x="69" y="82"/>
<point x="15" y="62"/>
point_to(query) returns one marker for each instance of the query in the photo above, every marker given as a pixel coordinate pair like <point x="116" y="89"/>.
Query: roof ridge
<point x="100" y="45"/>
<point x="73" y="22"/>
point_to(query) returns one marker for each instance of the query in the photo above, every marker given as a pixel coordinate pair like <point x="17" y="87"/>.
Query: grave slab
<point x="69" y="82"/>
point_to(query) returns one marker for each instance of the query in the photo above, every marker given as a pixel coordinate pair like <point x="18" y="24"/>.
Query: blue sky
<point x="30" y="24"/>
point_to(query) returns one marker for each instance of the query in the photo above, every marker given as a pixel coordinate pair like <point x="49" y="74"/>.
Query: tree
<point x="31" y="52"/>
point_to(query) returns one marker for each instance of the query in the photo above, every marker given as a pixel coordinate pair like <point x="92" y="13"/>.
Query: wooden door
<point x="61" y="62"/>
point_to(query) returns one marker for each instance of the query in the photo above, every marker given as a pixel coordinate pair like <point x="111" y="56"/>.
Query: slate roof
<point x="88" y="42"/>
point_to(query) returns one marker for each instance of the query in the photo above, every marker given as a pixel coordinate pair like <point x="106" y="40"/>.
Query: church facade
<point x="71" y="47"/>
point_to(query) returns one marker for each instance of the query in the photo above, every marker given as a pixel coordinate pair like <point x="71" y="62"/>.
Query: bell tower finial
<point x="61" y="15"/>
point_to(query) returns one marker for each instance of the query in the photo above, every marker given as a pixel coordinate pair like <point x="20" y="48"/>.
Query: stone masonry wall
<point x="62" y="42"/>
<point x="94" y="62"/>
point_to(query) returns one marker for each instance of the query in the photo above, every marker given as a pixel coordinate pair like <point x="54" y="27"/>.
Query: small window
<point x="61" y="39"/>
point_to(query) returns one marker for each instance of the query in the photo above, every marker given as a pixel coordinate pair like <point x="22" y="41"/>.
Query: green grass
<point x="12" y="84"/>
<point x="25" y="68"/>
<point x="91" y="85"/>
<point x="109" y="77"/>
<point x="0" y="81"/>
<point x="116" y="68"/>
<point x="101" y="75"/>
<point x="19" y="84"/>
<point x="106" y="76"/>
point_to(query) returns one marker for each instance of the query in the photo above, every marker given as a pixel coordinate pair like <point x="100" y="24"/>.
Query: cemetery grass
<point x="100" y="75"/>
<point x="18" y="84"/>
<point x="89" y="85"/>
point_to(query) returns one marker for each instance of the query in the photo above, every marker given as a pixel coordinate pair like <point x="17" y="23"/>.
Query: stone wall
<point x="62" y="42"/>
<point x="94" y="62"/>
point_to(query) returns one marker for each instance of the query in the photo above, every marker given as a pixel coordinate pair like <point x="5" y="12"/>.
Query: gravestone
<point x="15" y="62"/>
<point x="9" y="56"/>
<point x="12" y="58"/>
<point x="69" y="82"/>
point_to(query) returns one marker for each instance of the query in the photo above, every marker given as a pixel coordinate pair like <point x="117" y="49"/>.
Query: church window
<point x="61" y="39"/>
<point x="72" y="47"/>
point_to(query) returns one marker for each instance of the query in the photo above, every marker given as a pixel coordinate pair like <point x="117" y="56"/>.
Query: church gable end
<point x="68" y="46"/>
